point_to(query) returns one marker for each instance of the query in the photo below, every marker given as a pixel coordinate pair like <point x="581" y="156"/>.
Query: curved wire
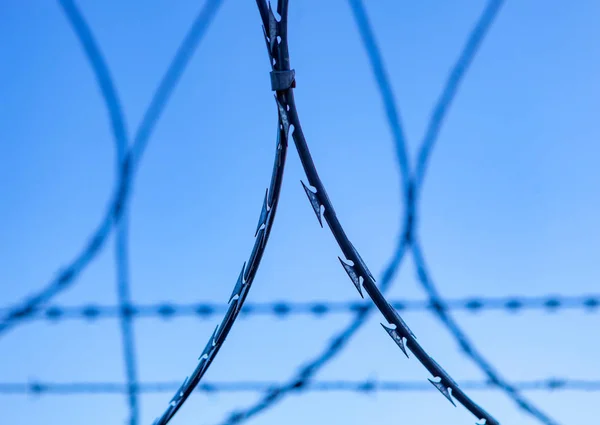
<point x="107" y="88"/>
<point x="440" y="112"/>
<point x="411" y="186"/>
<point x="249" y="269"/>
<point x="467" y="346"/>
<point x="65" y="278"/>
<point x="353" y="264"/>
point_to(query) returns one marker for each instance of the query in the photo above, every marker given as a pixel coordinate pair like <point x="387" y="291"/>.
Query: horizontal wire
<point x="73" y="388"/>
<point x="282" y="309"/>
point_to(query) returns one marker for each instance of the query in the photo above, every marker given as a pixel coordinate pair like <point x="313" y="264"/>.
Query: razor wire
<point x="276" y="36"/>
<point x="282" y="80"/>
<point x="128" y="159"/>
<point x="410" y="189"/>
<point x="249" y="269"/>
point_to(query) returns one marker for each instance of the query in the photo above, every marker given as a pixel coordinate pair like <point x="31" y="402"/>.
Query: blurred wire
<point x="67" y="276"/>
<point x="285" y="309"/>
<point x="367" y="386"/>
<point x="113" y="105"/>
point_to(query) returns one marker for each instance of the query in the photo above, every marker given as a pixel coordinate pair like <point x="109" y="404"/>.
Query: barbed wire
<point x="126" y="311"/>
<point x="40" y="388"/>
<point x="410" y="187"/>
<point x="246" y="278"/>
<point x="431" y="135"/>
<point x="352" y="262"/>
<point x="286" y="309"/>
<point x="113" y="105"/>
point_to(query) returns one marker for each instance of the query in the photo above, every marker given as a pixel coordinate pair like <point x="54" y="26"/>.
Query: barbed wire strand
<point x="250" y="268"/>
<point x="467" y="346"/>
<point x="113" y="105"/>
<point x="284" y="309"/>
<point x="451" y="88"/>
<point x="352" y="263"/>
<point x="96" y="241"/>
<point x="431" y="135"/>
<point x="43" y="388"/>
<point x="339" y="341"/>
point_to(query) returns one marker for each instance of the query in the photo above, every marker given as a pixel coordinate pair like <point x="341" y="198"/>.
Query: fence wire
<point x="36" y="306"/>
<point x="42" y="388"/>
<point x="551" y="304"/>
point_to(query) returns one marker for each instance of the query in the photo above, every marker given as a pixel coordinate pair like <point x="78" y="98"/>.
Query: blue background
<point x="510" y="204"/>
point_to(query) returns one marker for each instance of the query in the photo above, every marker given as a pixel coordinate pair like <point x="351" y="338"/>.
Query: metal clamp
<point x="283" y="80"/>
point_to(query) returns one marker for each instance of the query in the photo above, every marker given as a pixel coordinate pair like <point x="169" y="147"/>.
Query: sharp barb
<point x="237" y="290"/>
<point x="363" y="264"/>
<point x="215" y="336"/>
<point x="397" y="339"/>
<point x="405" y="329"/>
<point x="272" y="30"/>
<point x="262" y="220"/>
<point x="283" y="117"/>
<point x="353" y="276"/>
<point x="267" y="41"/>
<point x="315" y="203"/>
<point x="443" y="389"/>
<point x="207" y="352"/>
<point x="444" y="375"/>
<point x="179" y="392"/>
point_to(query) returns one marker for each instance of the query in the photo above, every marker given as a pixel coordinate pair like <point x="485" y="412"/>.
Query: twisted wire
<point x="285" y="309"/>
<point x="41" y="388"/>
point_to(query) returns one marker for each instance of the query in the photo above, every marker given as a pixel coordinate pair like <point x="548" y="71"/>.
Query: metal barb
<point x="443" y="389"/>
<point x="316" y="205"/>
<point x="273" y="30"/>
<point x="179" y="392"/>
<point x="214" y="336"/>
<point x="444" y="375"/>
<point x="397" y="339"/>
<point x="363" y="264"/>
<point x="237" y="289"/>
<point x="262" y="220"/>
<point x="354" y="277"/>
<point x="283" y="117"/>
<point x="207" y="352"/>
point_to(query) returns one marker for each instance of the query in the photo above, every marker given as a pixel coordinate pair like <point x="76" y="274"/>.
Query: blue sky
<point x="509" y="206"/>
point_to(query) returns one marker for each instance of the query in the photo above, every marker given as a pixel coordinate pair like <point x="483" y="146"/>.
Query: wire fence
<point x="129" y="154"/>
